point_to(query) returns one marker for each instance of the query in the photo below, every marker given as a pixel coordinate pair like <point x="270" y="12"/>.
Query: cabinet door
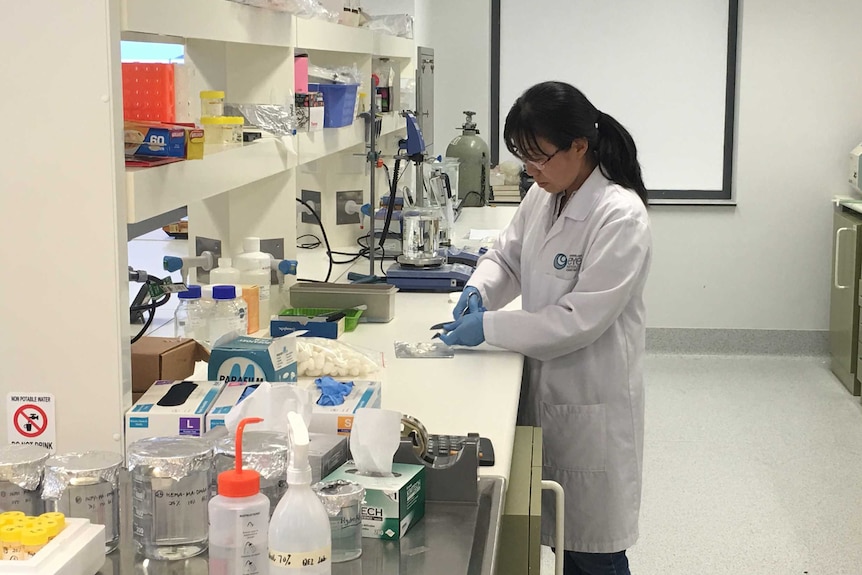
<point x="844" y="311"/>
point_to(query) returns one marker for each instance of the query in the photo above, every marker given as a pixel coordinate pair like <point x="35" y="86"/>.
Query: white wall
<point x="766" y="263"/>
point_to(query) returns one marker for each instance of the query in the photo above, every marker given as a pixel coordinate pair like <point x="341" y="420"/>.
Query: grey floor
<point x="752" y="464"/>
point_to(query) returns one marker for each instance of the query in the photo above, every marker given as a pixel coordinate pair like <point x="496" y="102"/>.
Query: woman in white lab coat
<point x="578" y="253"/>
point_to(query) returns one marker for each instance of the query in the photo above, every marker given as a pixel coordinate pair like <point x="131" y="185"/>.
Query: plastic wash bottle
<point x="239" y="519"/>
<point x="300" y="540"/>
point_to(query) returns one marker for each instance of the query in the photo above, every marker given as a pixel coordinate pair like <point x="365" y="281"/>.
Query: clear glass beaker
<point x="343" y="502"/>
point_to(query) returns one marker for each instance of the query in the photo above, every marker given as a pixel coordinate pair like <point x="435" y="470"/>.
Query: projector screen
<point x="665" y="70"/>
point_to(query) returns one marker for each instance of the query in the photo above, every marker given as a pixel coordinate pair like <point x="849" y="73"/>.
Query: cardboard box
<point x="310" y="111"/>
<point x="171" y="408"/>
<point x="232" y="394"/>
<point x="392" y="504"/>
<point x="158" y="140"/>
<point x="164" y="358"/>
<point x="313" y="327"/>
<point x="338" y="419"/>
<point x="251" y="295"/>
<point x="326" y="453"/>
<point x="254" y="360"/>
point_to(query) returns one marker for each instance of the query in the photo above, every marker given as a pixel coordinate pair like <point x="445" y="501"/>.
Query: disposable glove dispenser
<point x="239" y="518"/>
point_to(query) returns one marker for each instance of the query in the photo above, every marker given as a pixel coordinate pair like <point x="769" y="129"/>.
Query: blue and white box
<point x="171" y="408"/>
<point x="338" y="419"/>
<point x="254" y="359"/>
<point x="234" y="392"/>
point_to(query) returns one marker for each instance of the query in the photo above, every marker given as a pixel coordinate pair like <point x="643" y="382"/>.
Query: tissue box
<point x="171" y="408"/>
<point x="326" y="453"/>
<point x="338" y="419"/>
<point x="252" y="359"/>
<point x="392" y="504"/>
<point x="231" y="395"/>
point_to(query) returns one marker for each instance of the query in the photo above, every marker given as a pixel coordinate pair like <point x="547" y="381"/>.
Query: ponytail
<point x="617" y="155"/>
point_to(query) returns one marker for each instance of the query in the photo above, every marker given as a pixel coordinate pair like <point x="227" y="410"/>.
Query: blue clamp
<point x="288" y="267"/>
<point x="172" y="263"/>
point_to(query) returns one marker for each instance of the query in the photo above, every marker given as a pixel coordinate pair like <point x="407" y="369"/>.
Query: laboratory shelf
<point x="392" y="122"/>
<point x="316" y="145"/>
<point x="321" y="35"/>
<point x="389" y="46"/>
<point x="219" y="20"/>
<point x="153" y="191"/>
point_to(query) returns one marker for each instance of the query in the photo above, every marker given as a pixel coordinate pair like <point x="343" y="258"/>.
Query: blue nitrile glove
<point x="332" y="392"/>
<point x="467" y="330"/>
<point x="469" y="302"/>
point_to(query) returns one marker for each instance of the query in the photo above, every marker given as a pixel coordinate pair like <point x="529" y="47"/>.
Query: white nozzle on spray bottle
<point x="298" y="470"/>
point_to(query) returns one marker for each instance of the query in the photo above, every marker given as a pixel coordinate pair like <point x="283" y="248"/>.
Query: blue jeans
<point x="575" y="563"/>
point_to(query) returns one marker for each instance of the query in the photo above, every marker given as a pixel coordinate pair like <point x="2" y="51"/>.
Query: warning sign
<point x="31" y="419"/>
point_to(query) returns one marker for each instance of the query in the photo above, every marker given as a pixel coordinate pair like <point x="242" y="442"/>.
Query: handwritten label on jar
<point x="282" y="560"/>
<point x="97" y="503"/>
<point x="180" y="508"/>
<point x="14" y="498"/>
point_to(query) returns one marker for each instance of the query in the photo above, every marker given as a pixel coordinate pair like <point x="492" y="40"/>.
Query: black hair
<point x="560" y="113"/>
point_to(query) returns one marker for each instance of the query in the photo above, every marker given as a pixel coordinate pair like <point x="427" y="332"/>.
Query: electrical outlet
<point x="206" y="245"/>
<point x="341" y="199"/>
<point x="310" y="196"/>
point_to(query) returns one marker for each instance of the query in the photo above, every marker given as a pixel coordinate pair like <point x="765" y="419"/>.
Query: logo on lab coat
<point x="570" y="263"/>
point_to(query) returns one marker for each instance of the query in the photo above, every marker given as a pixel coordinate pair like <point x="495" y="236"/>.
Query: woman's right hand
<point x="469" y="302"/>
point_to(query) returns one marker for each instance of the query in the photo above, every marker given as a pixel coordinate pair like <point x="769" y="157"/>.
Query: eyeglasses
<point x="540" y="165"/>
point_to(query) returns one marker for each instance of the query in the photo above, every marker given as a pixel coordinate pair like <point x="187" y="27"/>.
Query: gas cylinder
<point x="475" y="167"/>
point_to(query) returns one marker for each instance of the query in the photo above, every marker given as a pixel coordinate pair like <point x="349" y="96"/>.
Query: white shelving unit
<point x="70" y="209"/>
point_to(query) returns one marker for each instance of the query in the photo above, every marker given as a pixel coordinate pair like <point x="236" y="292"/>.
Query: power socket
<point x="314" y="197"/>
<point x="341" y="199"/>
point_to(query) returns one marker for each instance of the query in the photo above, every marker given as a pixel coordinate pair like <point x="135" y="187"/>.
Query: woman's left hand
<point x="467" y="330"/>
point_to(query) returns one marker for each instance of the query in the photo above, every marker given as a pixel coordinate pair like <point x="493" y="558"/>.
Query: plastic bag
<point x="423" y="349"/>
<point x="269" y="117"/>
<point x="302" y="8"/>
<point x="393" y="24"/>
<point x="317" y="356"/>
<point x="341" y="75"/>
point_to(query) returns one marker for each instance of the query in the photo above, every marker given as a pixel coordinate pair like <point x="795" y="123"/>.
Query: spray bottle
<point x="238" y="518"/>
<point x="300" y="539"/>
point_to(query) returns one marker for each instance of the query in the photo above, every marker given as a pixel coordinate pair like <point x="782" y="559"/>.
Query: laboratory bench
<point x="476" y="391"/>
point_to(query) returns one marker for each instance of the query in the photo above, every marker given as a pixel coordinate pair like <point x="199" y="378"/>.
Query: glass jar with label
<point x="343" y="502"/>
<point x="21" y="468"/>
<point x="263" y="451"/>
<point x="86" y="485"/>
<point x="171" y="479"/>
<point x="223" y="130"/>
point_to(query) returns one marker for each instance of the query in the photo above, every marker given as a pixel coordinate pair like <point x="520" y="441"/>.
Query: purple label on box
<point x="190" y="426"/>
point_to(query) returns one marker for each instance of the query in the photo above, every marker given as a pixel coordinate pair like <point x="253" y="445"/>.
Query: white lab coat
<point x="582" y="329"/>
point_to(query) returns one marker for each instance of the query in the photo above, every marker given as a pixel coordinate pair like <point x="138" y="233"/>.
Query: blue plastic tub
<point x="339" y="103"/>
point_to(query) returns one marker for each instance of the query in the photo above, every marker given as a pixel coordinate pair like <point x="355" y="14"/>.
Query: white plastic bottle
<point x="255" y="269"/>
<point x="300" y="539"/>
<point x="190" y="317"/>
<point x="224" y="274"/>
<point x="239" y="519"/>
<point x="227" y="314"/>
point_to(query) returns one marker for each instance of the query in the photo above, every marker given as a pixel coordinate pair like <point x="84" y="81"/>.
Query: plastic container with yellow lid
<point x="212" y="103"/>
<point x="51" y="526"/>
<point x="32" y="541"/>
<point x="223" y="130"/>
<point x="56" y="516"/>
<point x="10" y="543"/>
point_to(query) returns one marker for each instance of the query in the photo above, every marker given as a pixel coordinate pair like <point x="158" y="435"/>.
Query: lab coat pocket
<point x="574" y="437"/>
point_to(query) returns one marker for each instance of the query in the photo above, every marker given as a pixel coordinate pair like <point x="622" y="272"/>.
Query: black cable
<point x="323" y="232"/>
<point x="309" y="245"/>
<point x="464" y="199"/>
<point x="150" y="307"/>
<point x="391" y="206"/>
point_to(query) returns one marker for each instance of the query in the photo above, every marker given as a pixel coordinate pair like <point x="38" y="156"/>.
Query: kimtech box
<point x="254" y="359"/>
<point x="392" y="504"/>
<point x="171" y="408"/>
